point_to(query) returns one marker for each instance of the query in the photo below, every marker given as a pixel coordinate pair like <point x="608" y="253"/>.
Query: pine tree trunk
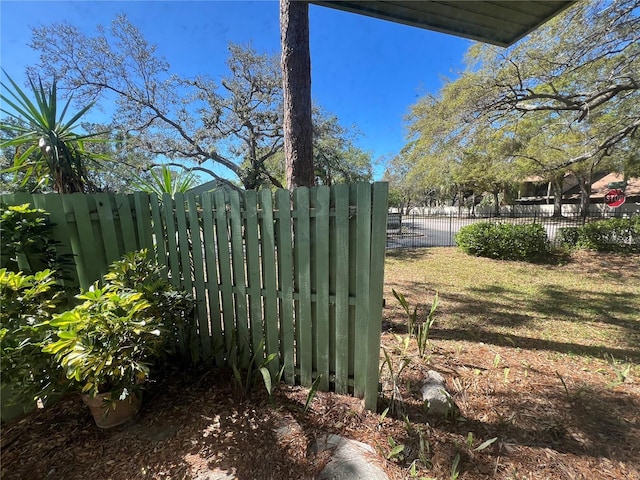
<point x="296" y="77"/>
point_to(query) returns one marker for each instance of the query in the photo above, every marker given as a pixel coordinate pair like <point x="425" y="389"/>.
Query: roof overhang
<point x="499" y="22"/>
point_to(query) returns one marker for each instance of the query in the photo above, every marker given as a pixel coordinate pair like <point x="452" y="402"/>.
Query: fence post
<point x="341" y="200"/>
<point x="363" y="264"/>
<point x="451" y="242"/>
<point x="378" y="247"/>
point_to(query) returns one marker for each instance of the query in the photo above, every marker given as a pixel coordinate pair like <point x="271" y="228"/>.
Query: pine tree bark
<point x="296" y="75"/>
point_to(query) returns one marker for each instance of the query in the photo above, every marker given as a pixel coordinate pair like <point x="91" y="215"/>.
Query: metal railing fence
<point x="419" y="231"/>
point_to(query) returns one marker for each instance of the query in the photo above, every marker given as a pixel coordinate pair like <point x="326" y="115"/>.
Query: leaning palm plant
<point x="46" y="147"/>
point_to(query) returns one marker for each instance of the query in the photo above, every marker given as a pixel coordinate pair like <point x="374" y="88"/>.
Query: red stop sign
<point x="614" y="198"/>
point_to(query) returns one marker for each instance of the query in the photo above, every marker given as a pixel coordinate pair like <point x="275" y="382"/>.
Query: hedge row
<point x="612" y="235"/>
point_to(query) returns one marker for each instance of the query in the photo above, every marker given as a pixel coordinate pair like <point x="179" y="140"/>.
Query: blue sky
<point x="366" y="71"/>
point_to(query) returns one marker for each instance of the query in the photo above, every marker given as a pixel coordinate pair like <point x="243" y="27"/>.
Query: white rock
<point x="437" y="399"/>
<point x="349" y="460"/>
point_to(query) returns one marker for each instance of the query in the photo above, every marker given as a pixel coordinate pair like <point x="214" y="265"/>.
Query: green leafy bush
<point x="136" y="271"/>
<point x="28" y="303"/>
<point x="504" y="241"/>
<point x="27" y="244"/>
<point x="568" y="236"/>
<point x="109" y="342"/>
<point x="31" y="291"/>
<point x="106" y="343"/>
<point x="612" y="235"/>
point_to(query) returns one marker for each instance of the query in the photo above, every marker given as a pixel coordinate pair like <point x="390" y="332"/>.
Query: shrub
<point x="612" y="235"/>
<point x="28" y="303"/>
<point x="134" y="291"/>
<point x="106" y="343"/>
<point x="31" y="291"/>
<point x="110" y="340"/>
<point x="27" y="244"/>
<point x="568" y="236"/>
<point x="136" y="271"/>
<point x="504" y="241"/>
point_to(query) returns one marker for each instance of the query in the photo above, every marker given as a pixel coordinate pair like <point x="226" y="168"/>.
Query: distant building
<point x="536" y="191"/>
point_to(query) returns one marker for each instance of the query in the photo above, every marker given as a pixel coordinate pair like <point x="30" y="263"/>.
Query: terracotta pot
<point x="104" y="413"/>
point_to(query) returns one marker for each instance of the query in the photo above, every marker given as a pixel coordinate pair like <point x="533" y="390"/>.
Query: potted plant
<point x="105" y="346"/>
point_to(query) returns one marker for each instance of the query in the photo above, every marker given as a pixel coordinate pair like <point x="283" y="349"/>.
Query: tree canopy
<point x="229" y="127"/>
<point x="564" y="99"/>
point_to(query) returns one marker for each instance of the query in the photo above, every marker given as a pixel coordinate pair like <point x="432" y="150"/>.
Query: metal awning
<point x="499" y="22"/>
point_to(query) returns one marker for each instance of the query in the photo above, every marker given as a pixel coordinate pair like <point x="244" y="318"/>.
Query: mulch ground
<point x="581" y="427"/>
<point x="189" y="426"/>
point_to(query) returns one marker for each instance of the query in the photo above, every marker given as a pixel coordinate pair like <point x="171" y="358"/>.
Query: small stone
<point x="215" y="474"/>
<point x="435" y="396"/>
<point x="349" y="460"/>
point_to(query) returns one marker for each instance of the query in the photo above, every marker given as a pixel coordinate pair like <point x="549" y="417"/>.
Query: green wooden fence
<point x="296" y="273"/>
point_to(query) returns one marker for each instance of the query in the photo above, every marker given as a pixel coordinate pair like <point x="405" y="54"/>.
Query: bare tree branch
<point x="605" y="146"/>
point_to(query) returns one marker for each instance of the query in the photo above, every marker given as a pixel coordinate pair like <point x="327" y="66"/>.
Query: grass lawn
<point x="544" y="358"/>
<point x="542" y="361"/>
<point x="588" y="306"/>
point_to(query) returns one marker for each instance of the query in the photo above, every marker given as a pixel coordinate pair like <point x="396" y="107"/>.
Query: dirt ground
<point x="523" y="413"/>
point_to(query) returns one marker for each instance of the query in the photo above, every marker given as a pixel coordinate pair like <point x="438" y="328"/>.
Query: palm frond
<point x="52" y="144"/>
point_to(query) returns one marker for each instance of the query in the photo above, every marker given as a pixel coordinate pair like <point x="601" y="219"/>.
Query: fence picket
<point x="239" y="281"/>
<point x="252" y="257"/>
<point x="321" y="258"/>
<point x="380" y="193"/>
<point x="107" y="222"/>
<point x="341" y="292"/>
<point x="195" y="234"/>
<point x="61" y="232"/>
<point x="302" y="272"/>
<point x="160" y="234"/>
<point x="126" y="223"/>
<point x="213" y="293"/>
<point x="172" y="240"/>
<point x="269" y="272"/>
<point x="83" y="240"/>
<point x="184" y="243"/>
<point x="186" y="268"/>
<point x="284" y="249"/>
<point x="363" y="192"/>
<point x="226" y="280"/>
<point x="173" y="259"/>
<point x="141" y="201"/>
